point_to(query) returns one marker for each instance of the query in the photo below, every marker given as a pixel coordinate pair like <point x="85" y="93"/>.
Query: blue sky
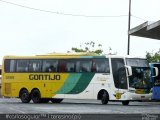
<point x="29" y="32"/>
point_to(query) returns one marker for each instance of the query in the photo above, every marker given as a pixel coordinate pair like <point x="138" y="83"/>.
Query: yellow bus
<point x="53" y="77"/>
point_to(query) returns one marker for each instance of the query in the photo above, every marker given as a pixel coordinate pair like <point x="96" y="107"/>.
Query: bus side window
<point x="22" y="65"/>
<point x="50" y="65"/>
<point x="70" y="66"/>
<point x="100" y="65"/>
<point x="62" y="66"/>
<point x="83" y="66"/>
<point x="35" y="66"/>
<point x="9" y="65"/>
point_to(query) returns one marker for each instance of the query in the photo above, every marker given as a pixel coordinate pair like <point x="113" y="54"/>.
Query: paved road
<point x="13" y="109"/>
<point x="13" y="105"/>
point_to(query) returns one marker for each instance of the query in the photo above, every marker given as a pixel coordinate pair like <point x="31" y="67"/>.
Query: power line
<point x="138" y="17"/>
<point x="61" y="13"/>
<point x="68" y="14"/>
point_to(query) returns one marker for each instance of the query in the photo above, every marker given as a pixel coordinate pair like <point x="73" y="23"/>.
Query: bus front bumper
<point x="136" y="97"/>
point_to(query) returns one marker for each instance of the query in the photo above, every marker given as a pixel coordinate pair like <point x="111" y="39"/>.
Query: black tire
<point x="25" y="96"/>
<point x="104" y="97"/>
<point x="36" y="96"/>
<point x="125" y="102"/>
<point x="55" y="100"/>
<point x="44" y="100"/>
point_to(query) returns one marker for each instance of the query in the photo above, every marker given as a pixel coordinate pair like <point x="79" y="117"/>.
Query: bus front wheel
<point x="104" y="97"/>
<point x="24" y="96"/>
<point x="36" y="96"/>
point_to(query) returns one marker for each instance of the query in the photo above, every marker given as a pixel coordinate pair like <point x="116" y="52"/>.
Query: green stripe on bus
<point x="83" y="82"/>
<point x="70" y="83"/>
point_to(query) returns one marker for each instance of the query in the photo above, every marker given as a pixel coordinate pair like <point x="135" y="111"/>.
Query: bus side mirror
<point x="0" y="71"/>
<point x="156" y="72"/>
<point x="129" y="70"/>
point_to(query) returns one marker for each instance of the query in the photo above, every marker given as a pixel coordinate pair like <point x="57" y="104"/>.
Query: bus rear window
<point x="9" y="65"/>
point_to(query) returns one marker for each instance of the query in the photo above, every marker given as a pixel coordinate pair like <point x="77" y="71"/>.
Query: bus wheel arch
<point x="24" y="95"/>
<point x="103" y="96"/>
<point x="36" y="95"/>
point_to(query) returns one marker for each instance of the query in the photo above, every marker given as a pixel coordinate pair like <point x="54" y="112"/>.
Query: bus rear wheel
<point x="55" y="100"/>
<point x="125" y="102"/>
<point x="104" y="97"/>
<point x="36" y="96"/>
<point x="24" y="96"/>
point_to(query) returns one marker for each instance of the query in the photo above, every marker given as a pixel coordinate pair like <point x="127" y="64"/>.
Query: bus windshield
<point x="156" y="79"/>
<point x="140" y="78"/>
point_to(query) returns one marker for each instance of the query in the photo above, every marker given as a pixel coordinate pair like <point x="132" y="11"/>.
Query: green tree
<point x="89" y="47"/>
<point x="153" y="57"/>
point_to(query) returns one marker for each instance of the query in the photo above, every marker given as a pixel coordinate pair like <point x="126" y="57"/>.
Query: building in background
<point x="147" y="30"/>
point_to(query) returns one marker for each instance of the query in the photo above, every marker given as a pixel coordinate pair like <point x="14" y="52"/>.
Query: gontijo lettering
<point x="44" y="77"/>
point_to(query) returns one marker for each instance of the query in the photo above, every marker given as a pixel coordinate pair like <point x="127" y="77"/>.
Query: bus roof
<point x="58" y="55"/>
<point x="69" y="55"/>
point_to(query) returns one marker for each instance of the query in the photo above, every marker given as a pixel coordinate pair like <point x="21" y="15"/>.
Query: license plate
<point x="142" y="97"/>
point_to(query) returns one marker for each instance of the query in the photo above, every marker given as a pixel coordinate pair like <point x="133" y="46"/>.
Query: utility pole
<point x="129" y="23"/>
